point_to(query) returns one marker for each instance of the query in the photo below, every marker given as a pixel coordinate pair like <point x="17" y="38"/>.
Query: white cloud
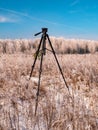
<point x="3" y="19"/>
<point x="6" y="19"/>
<point x="10" y="16"/>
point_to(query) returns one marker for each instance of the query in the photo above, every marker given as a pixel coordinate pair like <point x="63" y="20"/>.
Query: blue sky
<point x="63" y="18"/>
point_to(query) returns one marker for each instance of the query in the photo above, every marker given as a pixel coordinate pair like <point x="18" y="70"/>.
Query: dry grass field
<point x="57" y="109"/>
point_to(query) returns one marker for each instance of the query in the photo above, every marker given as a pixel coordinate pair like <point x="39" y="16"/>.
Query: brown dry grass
<point x="57" y="110"/>
<point x="61" y="45"/>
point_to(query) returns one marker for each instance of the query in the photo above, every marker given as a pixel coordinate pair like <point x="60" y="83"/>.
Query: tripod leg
<point x="37" y="94"/>
<point x="37" y="52"/>
<point x="58" y="63"/>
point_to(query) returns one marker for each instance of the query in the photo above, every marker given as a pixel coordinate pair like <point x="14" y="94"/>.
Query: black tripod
<point x="43" y="52"/>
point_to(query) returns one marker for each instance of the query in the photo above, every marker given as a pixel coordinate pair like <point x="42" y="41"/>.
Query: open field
<point x="57" y="109"/>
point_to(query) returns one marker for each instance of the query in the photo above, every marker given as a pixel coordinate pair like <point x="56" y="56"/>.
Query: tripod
<point x="43" y="52"/>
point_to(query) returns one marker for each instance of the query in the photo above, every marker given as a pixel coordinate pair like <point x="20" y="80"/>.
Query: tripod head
<point x="44" y="30"/>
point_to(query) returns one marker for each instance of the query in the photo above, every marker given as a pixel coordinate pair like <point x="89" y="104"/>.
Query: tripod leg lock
<point x="32" y="66"/>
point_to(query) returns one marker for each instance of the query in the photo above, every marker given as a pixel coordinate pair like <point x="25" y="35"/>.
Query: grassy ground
<point x="57" y="109"/>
